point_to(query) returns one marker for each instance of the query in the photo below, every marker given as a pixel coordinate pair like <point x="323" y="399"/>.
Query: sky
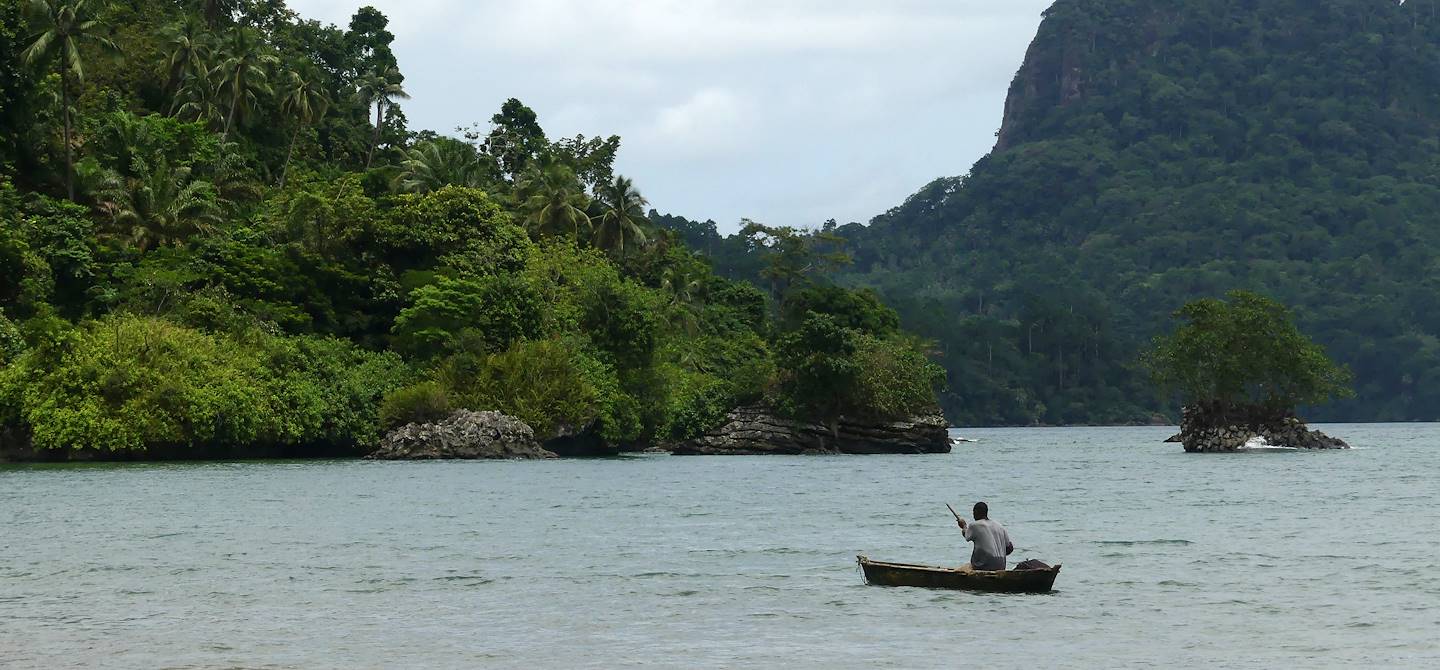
<point x="787" y="112"/>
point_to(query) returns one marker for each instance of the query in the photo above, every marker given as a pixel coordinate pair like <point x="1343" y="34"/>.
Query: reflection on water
<point x="1296" y="559"/>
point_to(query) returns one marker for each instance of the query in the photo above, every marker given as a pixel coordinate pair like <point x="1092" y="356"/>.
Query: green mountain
<point x="1156" y="151"/>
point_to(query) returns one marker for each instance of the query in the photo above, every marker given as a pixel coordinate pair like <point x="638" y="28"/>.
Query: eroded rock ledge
<point x="463" y="435"/>
<point x="755" y="429"/>
<point x="1204" y="431"/>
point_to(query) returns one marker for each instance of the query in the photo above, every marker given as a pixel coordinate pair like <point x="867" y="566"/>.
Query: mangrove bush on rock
<point x="1241" y="368"/>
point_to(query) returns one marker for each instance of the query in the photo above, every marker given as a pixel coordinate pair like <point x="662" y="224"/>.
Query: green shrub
<point x="128" y="383"/>
<point x="860" y="309"/>
<point x="550" y="384"/>
<point x="697" y="403"/>
<point x="818" y="372"/>
<point x="494" y="311"/>
<point x="565" y="277"/>
<point x="896" y="379"/>
<point x="12" y="343"/>
<point x="340" y="385"/>
<point x="463" y="228"/>
<point x="706" y="377"/>
<point x="622" y="320"/>
<point x="826" y="370"/>
<point x="1244" y="352"/>
<point x="425" y="402"/>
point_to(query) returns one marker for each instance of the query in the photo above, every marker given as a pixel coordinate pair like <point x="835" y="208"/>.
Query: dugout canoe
<point x="880" y="573"/>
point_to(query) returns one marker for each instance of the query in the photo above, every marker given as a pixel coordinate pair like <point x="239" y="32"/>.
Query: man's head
<point x="982" y="511"/>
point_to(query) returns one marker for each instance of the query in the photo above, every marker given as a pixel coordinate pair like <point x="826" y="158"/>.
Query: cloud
<point x="787" y="111"/>
<point x="711" y="120"/>
<point x="700" y="30"/>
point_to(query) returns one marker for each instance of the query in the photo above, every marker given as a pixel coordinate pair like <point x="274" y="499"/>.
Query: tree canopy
<point x="220" y="236"/>
<point x="1244" y="351"/>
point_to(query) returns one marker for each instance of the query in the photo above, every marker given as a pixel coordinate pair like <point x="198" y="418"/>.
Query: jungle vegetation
<point x="219" y="232"/>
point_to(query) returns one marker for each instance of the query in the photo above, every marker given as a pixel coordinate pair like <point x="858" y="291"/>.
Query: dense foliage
<point x="1244" y="352"/>
<point x="218" y="233"/>
<point x="1158" y="151"/>
<point x="128" y="382"/>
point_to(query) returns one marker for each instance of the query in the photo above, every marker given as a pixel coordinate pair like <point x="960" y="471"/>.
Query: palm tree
<point x="163" y="205"/>
<point x="622" y="213"/>
<point x="552" y="201"/>
<point x="64" y="26"/>
<point x="302" y="97"/>
<point x="190" y="51"/>
<point x="125" y="140"/>
<point x="381" y="89"/>
<point x="683" y="285"/>
<point x="199" y="100"/>
<point x="243" y="75"/>
<point x="440" y="162"/>
<point x="683" y="288"/>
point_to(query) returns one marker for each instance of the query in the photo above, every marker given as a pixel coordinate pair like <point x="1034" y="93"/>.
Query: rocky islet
<point x="1208" y="432"/>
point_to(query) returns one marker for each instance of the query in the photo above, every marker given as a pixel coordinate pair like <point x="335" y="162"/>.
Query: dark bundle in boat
<point x="879" y="573"/>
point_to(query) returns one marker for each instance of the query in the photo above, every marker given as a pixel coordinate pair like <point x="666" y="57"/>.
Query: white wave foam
<point x="1259" y="443"/>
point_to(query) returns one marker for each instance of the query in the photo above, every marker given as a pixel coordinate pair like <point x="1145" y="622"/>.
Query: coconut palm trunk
<point x="69" y="149"/>
<point x="375" y="137"/>
<point x="230" y="117"/>
<point x="285" y="169"/>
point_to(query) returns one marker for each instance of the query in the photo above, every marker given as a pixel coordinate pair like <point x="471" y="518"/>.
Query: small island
<point x="1242" y="368"/>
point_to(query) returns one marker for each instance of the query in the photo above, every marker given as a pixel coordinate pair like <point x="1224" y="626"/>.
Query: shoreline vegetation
<point x="220" y="238"/>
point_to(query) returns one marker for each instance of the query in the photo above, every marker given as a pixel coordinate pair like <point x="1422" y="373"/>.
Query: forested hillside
<point x="1156" y="151"/>
<point x="219" y="236"/>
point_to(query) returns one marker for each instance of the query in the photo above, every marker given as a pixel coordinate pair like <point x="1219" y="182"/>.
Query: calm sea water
<point x="1262" y="560"/>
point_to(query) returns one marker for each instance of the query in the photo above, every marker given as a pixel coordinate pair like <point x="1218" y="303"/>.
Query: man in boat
<point x="992" y="543"/>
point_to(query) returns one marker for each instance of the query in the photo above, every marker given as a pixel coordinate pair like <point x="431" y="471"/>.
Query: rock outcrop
<point x="757" y="430"/>
<point x="1203" y="432"/>
<point x="463" y="435"/>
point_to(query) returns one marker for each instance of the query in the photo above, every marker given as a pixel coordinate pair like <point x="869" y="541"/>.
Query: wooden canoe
<point x="880" y="573"/>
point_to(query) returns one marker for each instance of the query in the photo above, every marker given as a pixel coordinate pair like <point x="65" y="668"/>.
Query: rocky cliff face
<point x="463" y="435"/>
<point x="1052" y="75"/>
<point x="1077" y="40"/>
<point x="757" y="430"/>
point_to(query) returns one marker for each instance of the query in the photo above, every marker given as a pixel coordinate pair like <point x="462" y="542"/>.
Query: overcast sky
<point x="788" y="112"/>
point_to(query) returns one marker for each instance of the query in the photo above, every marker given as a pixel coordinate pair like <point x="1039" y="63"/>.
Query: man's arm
<point x="964" y="527"/>
<point x="1009" y="548"/>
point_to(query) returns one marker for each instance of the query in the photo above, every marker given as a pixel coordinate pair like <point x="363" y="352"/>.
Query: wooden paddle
<point x="952" y="511"/>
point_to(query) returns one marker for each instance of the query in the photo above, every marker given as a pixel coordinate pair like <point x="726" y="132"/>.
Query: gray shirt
<point x="990" y="541"/>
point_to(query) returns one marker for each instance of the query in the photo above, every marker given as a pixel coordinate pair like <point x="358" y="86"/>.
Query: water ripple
<point x="1286" y="560"/>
